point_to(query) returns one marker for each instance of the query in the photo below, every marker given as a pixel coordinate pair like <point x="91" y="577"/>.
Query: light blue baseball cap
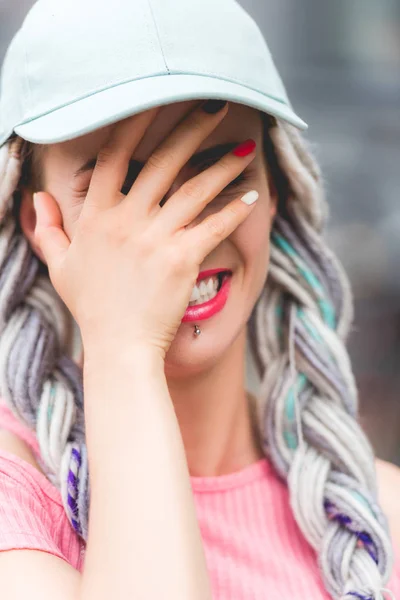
<point x="78" y="65"/>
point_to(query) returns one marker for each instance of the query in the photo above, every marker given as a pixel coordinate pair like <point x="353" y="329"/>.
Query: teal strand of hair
<point x="326" y="308"/>
<point x="290" y="410"/>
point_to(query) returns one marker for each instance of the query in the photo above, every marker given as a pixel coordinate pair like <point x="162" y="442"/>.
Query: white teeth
<point x="210" y="286"/>
<point x="195" y="294"/>
<point x="206" y="290"/>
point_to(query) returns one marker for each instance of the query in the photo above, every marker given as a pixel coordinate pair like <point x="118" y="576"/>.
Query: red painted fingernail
<point x="245" y="148"/>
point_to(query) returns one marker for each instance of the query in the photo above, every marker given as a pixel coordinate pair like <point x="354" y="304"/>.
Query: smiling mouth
<point x="208" y="288"/>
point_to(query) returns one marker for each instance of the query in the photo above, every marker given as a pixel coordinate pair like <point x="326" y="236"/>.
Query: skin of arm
<point x="144" y="541"/>
<point x="389" y="489"/>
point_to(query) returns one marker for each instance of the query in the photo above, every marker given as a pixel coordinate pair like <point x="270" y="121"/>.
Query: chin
<point x="223" y="325"/>
<point x="191" y="355"/>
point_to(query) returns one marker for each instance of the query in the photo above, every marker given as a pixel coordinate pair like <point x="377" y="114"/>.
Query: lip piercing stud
<point x="197" y="330"/>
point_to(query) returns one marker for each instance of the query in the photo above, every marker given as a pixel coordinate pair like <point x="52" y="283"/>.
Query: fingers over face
<point x="113" y="160"/>
<point x="202" y="239"/>
<point x="165" y="163"/>
<point x="194" y="195"/>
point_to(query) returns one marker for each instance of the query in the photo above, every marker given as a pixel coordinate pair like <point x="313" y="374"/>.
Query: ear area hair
<point x="31" y="161"/>
<point x="31" y="175"/>
<point x="278" y="182"/>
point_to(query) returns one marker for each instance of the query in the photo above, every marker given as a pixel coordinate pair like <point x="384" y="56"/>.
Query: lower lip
<point x="200" y="312"/>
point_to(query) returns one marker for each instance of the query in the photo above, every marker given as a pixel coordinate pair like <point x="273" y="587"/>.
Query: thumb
<point x="49" y="232"/>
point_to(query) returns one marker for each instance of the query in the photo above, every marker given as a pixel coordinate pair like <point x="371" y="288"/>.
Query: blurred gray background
<point x="340" y="62"/>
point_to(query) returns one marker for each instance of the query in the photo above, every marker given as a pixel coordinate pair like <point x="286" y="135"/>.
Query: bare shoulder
<point x="389" y="491"/>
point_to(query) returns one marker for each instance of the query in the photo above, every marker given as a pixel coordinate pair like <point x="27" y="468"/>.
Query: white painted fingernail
<point x="250" y="197"/>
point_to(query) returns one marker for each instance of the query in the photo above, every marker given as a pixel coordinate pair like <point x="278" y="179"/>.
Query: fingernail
<point x="250" y="197"/>
<point x="245" y="148"/>
<point x="213" y="106"/>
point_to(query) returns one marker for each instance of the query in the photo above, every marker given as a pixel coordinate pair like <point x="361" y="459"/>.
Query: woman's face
<point x="245" y="252"/>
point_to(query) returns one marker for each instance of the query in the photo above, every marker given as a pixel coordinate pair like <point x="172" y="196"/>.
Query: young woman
<point x="166" y="229"/>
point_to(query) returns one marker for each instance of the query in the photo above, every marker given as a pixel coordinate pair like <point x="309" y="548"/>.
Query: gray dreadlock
<point x="307" y="403"/>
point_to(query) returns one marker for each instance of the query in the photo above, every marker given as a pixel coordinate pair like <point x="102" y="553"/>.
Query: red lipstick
<point x="210" y="273"/>
<point x="199" y="312"/>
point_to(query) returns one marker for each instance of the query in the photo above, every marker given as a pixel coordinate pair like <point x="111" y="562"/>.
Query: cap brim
<point x="108" y="106"/>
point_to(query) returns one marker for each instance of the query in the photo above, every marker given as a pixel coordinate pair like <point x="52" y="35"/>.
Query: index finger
<point x="112" y="161"/>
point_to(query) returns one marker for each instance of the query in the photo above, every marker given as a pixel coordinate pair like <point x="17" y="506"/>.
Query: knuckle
<point x="161" y="159"/>
<point x="115" y="232"/>
<point x="232" y="212"/>
<point x="225" y="168"/>
<point x="146" y="243"/>
<point x="216" y="226"/>
<point x="194" y="189"/>
<point x="177" y="259"/>
<point x="190" y="255"/>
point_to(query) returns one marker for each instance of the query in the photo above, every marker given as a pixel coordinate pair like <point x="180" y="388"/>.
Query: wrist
<point x="133" y="356"/>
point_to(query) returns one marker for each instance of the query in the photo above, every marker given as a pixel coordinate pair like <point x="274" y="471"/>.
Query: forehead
<point x="240" y="122"/>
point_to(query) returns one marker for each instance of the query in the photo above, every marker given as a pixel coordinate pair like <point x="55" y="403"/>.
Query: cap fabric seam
<point x="158" y="36"/>
<point x="98" y="91"/>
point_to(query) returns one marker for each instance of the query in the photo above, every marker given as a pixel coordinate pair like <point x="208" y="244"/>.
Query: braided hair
<point x="306" y="407"/>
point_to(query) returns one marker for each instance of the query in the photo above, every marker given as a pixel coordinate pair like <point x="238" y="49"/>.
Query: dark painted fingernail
<point x="213" y="106"/>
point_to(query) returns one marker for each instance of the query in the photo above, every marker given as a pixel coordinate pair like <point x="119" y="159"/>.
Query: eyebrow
<point x="215" y="152"/>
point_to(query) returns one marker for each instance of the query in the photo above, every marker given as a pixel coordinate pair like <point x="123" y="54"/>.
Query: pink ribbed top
<point x="253" y="547"/>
